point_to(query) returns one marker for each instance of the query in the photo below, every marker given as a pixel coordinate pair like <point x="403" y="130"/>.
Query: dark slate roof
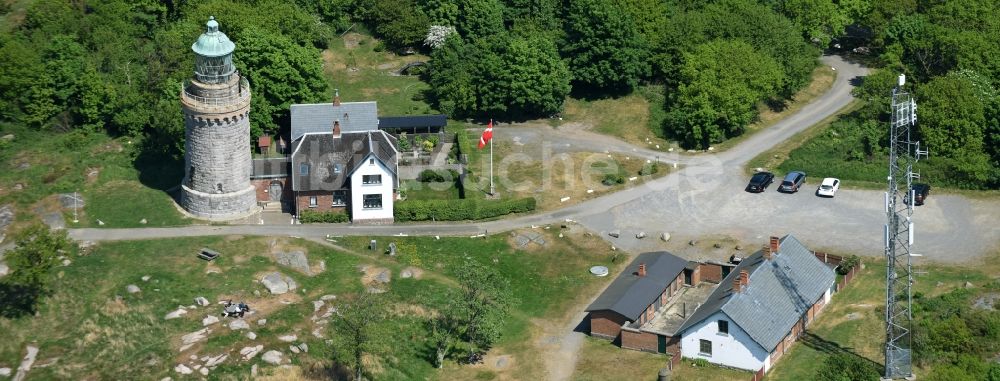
<point x="271" y="168"/>
<point x="630" y="294"/>
<point x="324" y="153"/>
<point x="778" y="293"/>
<point x="414" y="121"/>
<point x="319" y="117"/>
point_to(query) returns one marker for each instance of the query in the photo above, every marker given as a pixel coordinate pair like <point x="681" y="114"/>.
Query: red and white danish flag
<point x="487" y="135"/>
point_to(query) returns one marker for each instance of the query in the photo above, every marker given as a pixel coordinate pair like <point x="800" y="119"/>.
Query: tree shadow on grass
<point x="18" y="300"/>
<point x="831" y="348"/>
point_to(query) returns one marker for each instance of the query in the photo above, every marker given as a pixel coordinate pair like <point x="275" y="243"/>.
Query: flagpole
<point x="492" y="191"/>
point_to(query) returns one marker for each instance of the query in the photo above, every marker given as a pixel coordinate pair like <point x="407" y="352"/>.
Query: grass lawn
<point x="636" y="118"/>
<point x="853" y="321"/>
<point x="601" y="360"/>
<point x="91" y="328"/>
<point x="549" y="179"/>
<point x="363" y="74"/>
<point x="772" y="158"/>
<point x="119" y="184"/>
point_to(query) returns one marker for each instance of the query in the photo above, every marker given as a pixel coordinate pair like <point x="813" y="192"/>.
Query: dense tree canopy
<point x="604" y="50"/>
<point x="715" y="98"/>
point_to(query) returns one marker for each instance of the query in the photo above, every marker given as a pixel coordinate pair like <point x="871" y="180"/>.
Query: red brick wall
<point x="696" y="276"/>
<point x="606" y="324"/>
<point x="263" y="187"/>
<point x="324" y="201"/>
<point x="641" y="341"/>
<point x="711" y="272"/>
<point x="674" y="345"/>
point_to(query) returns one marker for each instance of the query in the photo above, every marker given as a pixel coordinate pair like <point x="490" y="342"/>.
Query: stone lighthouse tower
<point x="216" y="103"/>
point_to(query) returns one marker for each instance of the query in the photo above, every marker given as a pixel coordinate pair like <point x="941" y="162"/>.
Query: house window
<point x="371" y="161"/>
<point x="337" y="168"/>
<point x="339" y="198"/>
<point x="312" y="202"/>
<point x="372" y="201"/>
<point x="705" y="349"/>
<point x="304" y="169"/>
<point x="723" y="327"/>
<point x="371" y="179"/>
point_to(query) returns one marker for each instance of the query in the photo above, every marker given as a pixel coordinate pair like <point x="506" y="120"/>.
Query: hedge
<point x="312" y="216"/>
<point x="437" y="176"/>
<point x="458" y="210"/>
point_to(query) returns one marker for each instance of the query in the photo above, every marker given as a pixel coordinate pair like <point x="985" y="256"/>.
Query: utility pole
<point x="898" y="236"/>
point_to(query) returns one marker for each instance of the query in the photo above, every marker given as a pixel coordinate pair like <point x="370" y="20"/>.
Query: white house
<point x="352" y="172"/>
<point x="760" y="308"/>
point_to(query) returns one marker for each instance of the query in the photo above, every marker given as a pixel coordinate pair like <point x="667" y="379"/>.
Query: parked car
<point x="760" y="181"/>
<point x="920" y="193"/>
<point x="793" y="180"/>
<point x="828" y="188"/>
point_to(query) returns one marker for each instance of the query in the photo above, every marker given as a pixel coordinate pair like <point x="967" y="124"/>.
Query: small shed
<point x="264" y="143"/>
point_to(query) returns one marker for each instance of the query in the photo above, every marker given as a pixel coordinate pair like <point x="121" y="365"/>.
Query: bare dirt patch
<point x="372" y="272"/>
<point x="352" y="40"/>
<point x="415" y="271"/>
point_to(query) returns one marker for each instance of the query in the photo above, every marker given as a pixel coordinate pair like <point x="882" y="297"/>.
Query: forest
<point x="116" y="66"/>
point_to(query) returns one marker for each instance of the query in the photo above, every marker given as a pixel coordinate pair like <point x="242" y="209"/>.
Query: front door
<point x="687" y="276"/>
<point x="661" y="343"/>
<point x="274" y="191"/>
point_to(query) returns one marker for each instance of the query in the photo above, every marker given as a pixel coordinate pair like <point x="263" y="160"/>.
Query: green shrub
<point x="847" y="367"/>
<point x="459" y="210"/>
<point x="312" y="216"/>
<point x="649" y="169"/>
<point x="437" y="176"/>
<point x="847" y="264"/>
<point x="379" y="47"/>
<point x="404" y="142"/>
<point x="613" y="178"/>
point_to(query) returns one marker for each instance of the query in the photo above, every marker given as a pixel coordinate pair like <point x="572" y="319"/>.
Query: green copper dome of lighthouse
<point x="213" y="43"/>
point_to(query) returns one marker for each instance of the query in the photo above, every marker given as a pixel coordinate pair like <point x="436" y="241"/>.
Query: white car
<point x="828" y="188"/>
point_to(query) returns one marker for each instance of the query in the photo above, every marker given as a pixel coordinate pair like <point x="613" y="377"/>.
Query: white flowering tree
<point x="437" y="35"/>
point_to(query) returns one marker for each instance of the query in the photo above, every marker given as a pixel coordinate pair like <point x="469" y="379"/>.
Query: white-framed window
<point x="372" y="201"/>
<point x="705" y="347"/>
<point x="339" y="198"/>
<point x="371" y="179"/>
<point x="313" y="202"/>
<point x="723" y="327"/>
<point x="304" y="169"/>
<point x="337" y="168"/>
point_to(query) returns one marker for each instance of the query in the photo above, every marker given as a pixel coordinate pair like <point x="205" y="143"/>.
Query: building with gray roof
<point x="760" y="308"/>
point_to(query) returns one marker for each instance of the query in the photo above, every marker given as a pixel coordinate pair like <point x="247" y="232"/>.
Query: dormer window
<point x="337" y="168"/>
<point x="304" y="169"/>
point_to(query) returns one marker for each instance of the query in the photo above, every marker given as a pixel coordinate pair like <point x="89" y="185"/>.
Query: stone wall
<point x="217" y="162"/>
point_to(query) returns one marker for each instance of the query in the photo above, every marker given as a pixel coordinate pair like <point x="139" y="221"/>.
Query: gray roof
<point x="332" y="160"/>
<point x="779" y="292"/>
<point x="630" y="294"/>
<point x="264" y="168"/>
<point x="319" y="117"/>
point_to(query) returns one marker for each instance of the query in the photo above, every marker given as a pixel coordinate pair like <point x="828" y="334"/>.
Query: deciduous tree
<point x="603" y="49"/>
<point x="356" y="330"/>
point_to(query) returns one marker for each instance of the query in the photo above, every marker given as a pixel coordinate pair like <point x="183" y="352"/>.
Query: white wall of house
<point x="359" y="189"/>
<point x="736" y="349"/>
<point x="826" y="296"/>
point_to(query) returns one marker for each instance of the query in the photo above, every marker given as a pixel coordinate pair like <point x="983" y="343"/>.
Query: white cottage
<point x="760" y="308"/>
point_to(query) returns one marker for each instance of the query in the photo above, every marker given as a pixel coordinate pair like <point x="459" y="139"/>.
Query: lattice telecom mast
<point x="898" y="235"/>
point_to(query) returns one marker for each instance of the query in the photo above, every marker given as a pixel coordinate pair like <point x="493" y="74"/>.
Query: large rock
<point x="239" y="324"/>
<point x="277" y="283"/>
<point x="182" y="369"/>
<point x="201" y="301"/>
<point x="54" y="220"/>
<point x="295" y="259"/>
<point x="209" y="320"/>
<point x="250" y="352"/>
<point x="665" y="236"/>
<point x="272" y="357"/>
<point x="71" y="200"/>
<point x="213" y="361"/>
<point x="5" y="372"/>
<point x="175" y="314"/>
<point x="383" y="277"/>
<point x="615" y="233"/>
<point x="195" y="336"/>
<point x="6" y="216"/>
<point x="132" y="289"/>
<point x="288" y="338"/>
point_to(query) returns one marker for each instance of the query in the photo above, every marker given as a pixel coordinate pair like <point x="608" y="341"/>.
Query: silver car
<point x="792" y="182"/>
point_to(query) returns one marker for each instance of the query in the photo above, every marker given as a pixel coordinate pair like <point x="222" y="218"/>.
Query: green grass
<point x="416" y="190"/>
<point x="774" y="157"/>
<point x="119" y="183"/>
<point x="363" y="74"/>
<point x="833" y="332"/>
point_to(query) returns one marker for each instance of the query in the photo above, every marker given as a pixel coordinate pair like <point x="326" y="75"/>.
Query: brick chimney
<point x="740" y="282"/>
<point x="642" y="270"/>
<point x="336" y="97"/>
<point x="775" y="245"/>
<point x="768" y="255"/>
<point x="336" y="128"/>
